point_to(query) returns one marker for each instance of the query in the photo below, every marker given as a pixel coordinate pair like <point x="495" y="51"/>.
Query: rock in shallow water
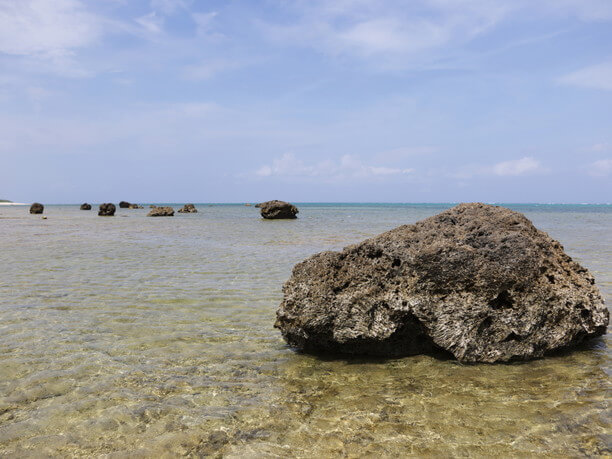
<point x="85" y="206"/>
<point x="161" y="212"/>
<point x="478" y="281"/>
<point x="37" y="208"/>
<point x="107" y="209"/>
<point x="277" y="210"/>
<point x="188" y="209"/>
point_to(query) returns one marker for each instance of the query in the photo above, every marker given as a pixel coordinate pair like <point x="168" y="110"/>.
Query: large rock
<point x="37" y="208"/>
<point x="107" y="210"/>
<point x="478" y="281"/>
<point x="161" y="212"/>
<point x="85" y="206"/>
<point x="188" y="209"/>
<point x="277" y="210"/>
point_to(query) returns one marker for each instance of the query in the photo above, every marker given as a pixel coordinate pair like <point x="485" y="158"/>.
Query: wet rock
<point x="478" y="281"/>
<point x="107" y="209"/>
<point x="135" y="206"/>
<point x="37" y="208"/>
<point x="277" y="210"/>
<point x="161" y="212"/>
<point x="188" y="209"/>
<point x="85" y="206"/>
<point x="124" y="205"/>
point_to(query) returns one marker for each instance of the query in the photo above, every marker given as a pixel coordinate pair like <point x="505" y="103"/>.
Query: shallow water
<point x="134" y="336"/>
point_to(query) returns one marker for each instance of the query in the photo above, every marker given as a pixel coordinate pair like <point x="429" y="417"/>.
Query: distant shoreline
<point x="13" y="204"/>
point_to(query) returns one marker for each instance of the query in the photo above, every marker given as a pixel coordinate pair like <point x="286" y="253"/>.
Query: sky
<point x="306" y="100"/>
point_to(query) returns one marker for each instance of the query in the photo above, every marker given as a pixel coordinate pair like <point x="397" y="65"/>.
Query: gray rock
<point x="135" y="206"/>
<point x="161" y="212"/>
<point x="188" y="209"/>
<point x="478" y="281"/>
<point x="37" y="208"/>
<point x="107" y="210"/>
<point x="277" y="210"/>
<point x="85" y="206"/>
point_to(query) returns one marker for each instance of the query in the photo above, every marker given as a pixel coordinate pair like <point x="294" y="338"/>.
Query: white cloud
<point x="513" y="168"/>
<point x="46" y="28"/>
<point x="521" y="166"/>
<point x="168" y="6"/>
<point x="595" y="77"/>
<point x="347" y="167"/>
<point x="601" y="168"/>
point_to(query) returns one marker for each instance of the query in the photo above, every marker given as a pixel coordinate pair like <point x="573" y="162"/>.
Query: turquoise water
<point x="132" y="336"/>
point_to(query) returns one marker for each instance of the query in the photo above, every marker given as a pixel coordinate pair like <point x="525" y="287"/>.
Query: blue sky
<point x="319" y="100"/>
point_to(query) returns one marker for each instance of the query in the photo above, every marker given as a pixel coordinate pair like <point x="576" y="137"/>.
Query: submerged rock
<point x="135" y="206"/>
<point x="161" y="212"/>
<point x="107" y="210"/>
<point x="188" y="209"/>
<point x="277" y="210"/>
<point x="37" y="208"/>
<point x="85" y="206"/>
<point x="478" y="281"/>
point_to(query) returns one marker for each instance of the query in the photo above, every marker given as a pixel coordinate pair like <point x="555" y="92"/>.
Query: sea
<point x="131" y="336"/>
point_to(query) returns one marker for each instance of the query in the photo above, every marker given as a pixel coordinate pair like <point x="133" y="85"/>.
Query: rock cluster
<point x="85" y="206"/>
<point x="188" y="209"/>
<point x="135" y="206"/>
<point x="477" y="281"/>
<point x="37" y="208"/>
<point x="107" y="210"/>
<point x="161" y="212"/>
<point x="277" y="210"/>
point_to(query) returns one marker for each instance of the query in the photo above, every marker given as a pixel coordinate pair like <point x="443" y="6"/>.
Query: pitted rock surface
<point x="478" y="281"/>
<point x="277" y="210"/>
<point x="37" y="208"/>
<point x="188" y="209"/>
<point x="164" y="211"/>
<point x="107" y="209"/>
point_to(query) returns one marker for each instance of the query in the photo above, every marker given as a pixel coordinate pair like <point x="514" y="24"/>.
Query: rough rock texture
<point x="161" y="212"/>
<point x="85" y="206"/>
<point x="478" y="281"/>
<point x="107" y="210"/>
<point x="277" y="210"/>
<point x="188" y="209"/>
<point x="134" y="206"/>
<point x="124" y="205"/>
<point x="37" y="208"/>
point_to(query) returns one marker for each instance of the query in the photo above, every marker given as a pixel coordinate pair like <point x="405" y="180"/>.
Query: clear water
<point x="134" y="336"/>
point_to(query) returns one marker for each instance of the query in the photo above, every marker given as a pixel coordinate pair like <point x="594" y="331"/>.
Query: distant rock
<point x="152" y="206"/>
<point x="107" y="210"/>
<point x="259" y="205"/>
<point x="124" y="205"/>
<point x="85" y="206"/>
<point x="135" y="206"/>
<point x="248" y="205"/>
<point x="37" y="208"/>
<point x="478" y="281"/>
<point x="277" y="210"/>
<point x="188" y="209"/>
<point x="161" y="212"/>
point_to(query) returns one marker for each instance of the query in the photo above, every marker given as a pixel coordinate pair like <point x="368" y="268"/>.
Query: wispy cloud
<point x="151" y="22"/>
<point x="601" y="168"/>
<point x="597" y="76"/>
<point x="347" y="167"/>
<point x="512" y="168"/>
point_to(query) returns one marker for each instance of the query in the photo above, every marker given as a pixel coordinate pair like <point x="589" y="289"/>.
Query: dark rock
<point x="85" y="206"/>
<point x="152" y="206"/>
<point x="188" y="209"/>
<point x="37" y="208"/>
<point x="277" y="210"/>
<point x="259" y="205"/>
<point x="124" y="205"/>
<point x="161" y="212"/>
<point x="107" y="209"/>
<point x="478" y="281"/>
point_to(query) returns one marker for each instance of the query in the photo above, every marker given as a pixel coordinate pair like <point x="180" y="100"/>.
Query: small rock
<point x="124" y="205"/>
<point x="44" y="217"/>
<point x="85" y="206"/>
<point x="37" y="208"/>
<point x="152" y="206"/>
<point x="135" y="206"/>
<point x="187" y="209"/>
<point x="161" y="212"/>
<point x="278" y="210"/>
<point x="107" y="209"/>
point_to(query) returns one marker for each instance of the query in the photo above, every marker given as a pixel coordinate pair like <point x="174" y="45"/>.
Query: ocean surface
<point x="153" y="337"/>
